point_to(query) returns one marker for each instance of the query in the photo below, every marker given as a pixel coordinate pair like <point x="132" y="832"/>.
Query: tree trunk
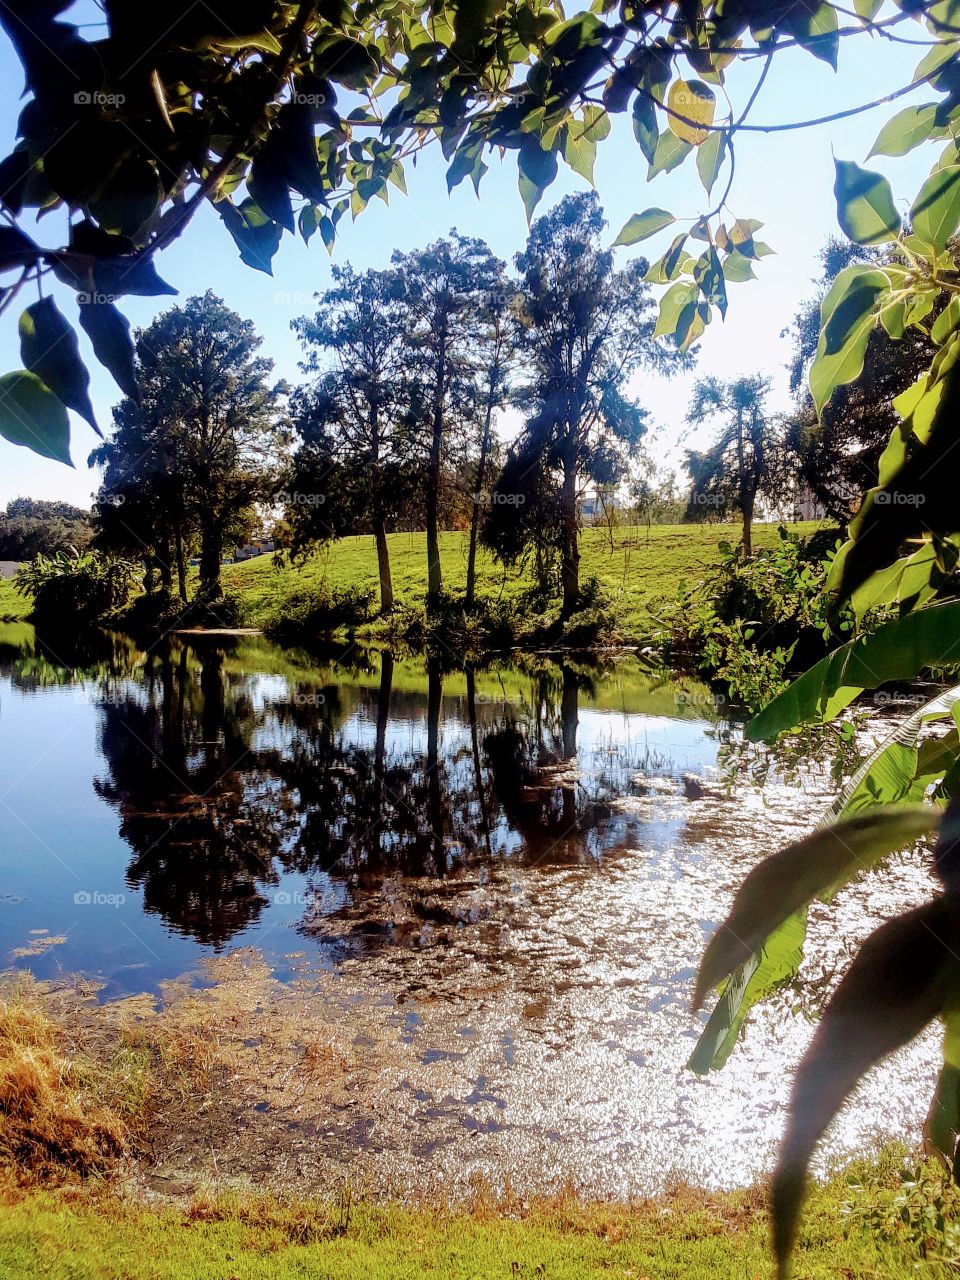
<point x="181" y="565"/>
<point x="434" y="785"/>
<point x="746" y="506"/>
<point x="570" y="563"/>
<point x="478" y="491"/>
<point x="383" y="564"/>
<point x="477" y="768"/>
<point x="211" y="559"/>
<point x="434" y="575"/>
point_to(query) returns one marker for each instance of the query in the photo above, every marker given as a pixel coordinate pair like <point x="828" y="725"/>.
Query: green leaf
<point x="737" y="268"/>
<point x="942" y="1129"/>
<point x="936" y="210"/>
<point x="308" y="221"/>
<point x="865" y="207"/>
<point x="898" y="650"/>
<point x="947" y="322"/>
<point x="671" y="151"/>
<point x="537" y="169"/>
<point x="109" y="333"/>
<point x="867" y="9"/>
<point x="817" y="31"/>
<point x="129" y="198"/>
<point x="776" y="962"/>
<point x="710" y="155"/>
<point x="49" y="348"/>
<point x="904" y="976"/>
<point x="645" y="128"/>
<point x="31" y="415"/>
<point x="906" y="130"/>
<point x="847" y="318"/>
<point x="643" y="225"/>
<point x="680" y="295"/>
<point x="814" y="867"/>
<point x="256" y="236"/>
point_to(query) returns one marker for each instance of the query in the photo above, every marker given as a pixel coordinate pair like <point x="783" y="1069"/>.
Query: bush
<point x="306" y="614"/>
<point x="71" y="591"/>
<point x="749" y="622"/>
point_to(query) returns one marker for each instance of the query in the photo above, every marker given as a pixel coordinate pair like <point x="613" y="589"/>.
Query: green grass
<point x="641" y="570"/>
<point x="13" y="606"/>
<point x="693" y="1236"/>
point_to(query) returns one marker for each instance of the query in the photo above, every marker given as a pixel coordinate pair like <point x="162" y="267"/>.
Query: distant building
<point x="259" y="547"/>
<point x="8" y="568"/>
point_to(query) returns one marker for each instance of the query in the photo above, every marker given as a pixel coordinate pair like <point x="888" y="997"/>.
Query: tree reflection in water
<point x="231" y="763"/>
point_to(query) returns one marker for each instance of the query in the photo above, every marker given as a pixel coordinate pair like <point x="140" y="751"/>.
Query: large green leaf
<point x="775" y="963"/>
<point x="31" y="415"/>
<point x="49" y="348"/>
<point x="109" y="332"/>
<point x="643" y="225"/>
<point x="906" y="130"/>
<point x="847" y="318"/>
<point x="865" y="207"/>
<point x="898" y="650"/>
<point x="256" y="236"/>
<point x="814" y="867"/>
<point x="904" y="976"/>
<point x="936" y="210"/>
<point x="942" y="1128"/>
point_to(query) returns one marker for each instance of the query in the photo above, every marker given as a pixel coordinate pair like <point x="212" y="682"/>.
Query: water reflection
<point x="231" y="764"/>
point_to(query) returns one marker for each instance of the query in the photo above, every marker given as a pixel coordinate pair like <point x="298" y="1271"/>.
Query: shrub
<point x="71" y="591"/>
<point x="747" y="622"/>
<point x="306" y="614"/>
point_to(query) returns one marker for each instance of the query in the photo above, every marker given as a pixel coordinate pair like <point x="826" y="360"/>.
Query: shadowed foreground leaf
<point x="904" y="976"/>
<point x="814" y="867"/>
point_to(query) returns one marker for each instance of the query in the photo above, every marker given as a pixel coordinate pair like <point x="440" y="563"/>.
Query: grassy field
<point x="13" y="606"/>
<point x="79" y="1235"/>
<point x="643" y="568"/>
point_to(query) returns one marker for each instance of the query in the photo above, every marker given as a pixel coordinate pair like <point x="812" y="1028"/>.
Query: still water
<point x="500" y="881"/>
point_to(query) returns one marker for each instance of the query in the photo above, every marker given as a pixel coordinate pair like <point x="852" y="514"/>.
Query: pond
<point x="499" y="883"/>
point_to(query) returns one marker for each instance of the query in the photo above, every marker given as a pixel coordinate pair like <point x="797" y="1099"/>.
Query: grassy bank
<point x="72" y="1235"/>
<point x="641" y="569"/>
<point x="89" y="1094"/>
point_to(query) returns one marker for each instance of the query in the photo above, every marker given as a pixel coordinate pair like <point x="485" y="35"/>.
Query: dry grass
<point x="53" y="1121"/>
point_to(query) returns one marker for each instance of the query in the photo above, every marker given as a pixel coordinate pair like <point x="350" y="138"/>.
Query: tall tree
<point x="355" y="424"/>
<point x="743" y="459"/>
<point x="496" y="358"/>
<point x="444" y="288"/>
<point x="212" y="420"/>
<point x="584" y="328"/>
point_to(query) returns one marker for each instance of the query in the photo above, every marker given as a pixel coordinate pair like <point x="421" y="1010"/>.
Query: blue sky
<point x="784" y="179"/>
